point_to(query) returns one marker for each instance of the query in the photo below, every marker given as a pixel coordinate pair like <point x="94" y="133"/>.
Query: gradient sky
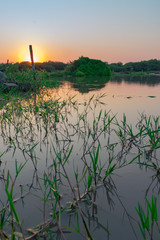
<point x="63" y="30"/>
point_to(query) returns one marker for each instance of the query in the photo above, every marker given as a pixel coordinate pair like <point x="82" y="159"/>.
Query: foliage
<point x="87" y="72"/>
<point x="49" y="66"/>
<point x="148" y="220"/>
<point x="85" y="66"/>
<point x="143" y="66"/>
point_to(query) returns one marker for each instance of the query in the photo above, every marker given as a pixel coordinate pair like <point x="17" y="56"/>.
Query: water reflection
<point x="86" y="84"/>
<point x="78" y="156"/>
<point x="150" y="80"/>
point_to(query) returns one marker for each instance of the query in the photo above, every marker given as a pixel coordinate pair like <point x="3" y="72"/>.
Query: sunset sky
<point x="63" y="30"/>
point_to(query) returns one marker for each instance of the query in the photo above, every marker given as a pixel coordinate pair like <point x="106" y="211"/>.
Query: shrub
<point x="85" y="66"/>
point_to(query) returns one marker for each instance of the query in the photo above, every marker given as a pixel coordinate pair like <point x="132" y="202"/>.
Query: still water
<point x="121" y="95"/>
<point x="94" y="117"/>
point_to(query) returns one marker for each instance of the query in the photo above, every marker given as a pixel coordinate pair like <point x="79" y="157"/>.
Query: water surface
<point x="36" y="136"/>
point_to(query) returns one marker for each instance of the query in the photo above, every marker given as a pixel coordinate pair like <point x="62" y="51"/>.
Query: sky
<point x="64" y="30"/>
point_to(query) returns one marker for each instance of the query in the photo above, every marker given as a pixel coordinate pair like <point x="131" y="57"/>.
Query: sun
<point x="24" y="54"/>
<point x="35" y="58"/>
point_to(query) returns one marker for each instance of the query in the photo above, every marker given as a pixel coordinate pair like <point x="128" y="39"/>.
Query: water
<point x="36" y="139"/>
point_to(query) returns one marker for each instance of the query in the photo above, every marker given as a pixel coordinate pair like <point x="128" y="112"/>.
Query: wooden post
<point x="32" y="60"/>
<point x="31" y="55"/>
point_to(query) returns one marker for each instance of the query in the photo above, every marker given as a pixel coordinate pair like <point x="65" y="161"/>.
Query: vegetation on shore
<point x="85" y="66"/>
<point x="60" y="68"/>
<point x="143" y="67"/>
<point x="81" y="72"/>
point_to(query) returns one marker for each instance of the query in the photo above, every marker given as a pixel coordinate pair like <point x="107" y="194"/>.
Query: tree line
<point x="152" y="65"/>
<point x="85" y="65"/>
<point x="49" y="66"/>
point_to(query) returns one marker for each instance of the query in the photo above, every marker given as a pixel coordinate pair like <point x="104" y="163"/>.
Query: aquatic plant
<point x="148" y="220"/>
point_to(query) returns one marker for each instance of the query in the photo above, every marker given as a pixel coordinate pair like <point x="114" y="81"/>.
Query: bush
<point x="85" y="66"/>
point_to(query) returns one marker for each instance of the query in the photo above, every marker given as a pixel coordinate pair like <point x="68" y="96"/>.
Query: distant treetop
<point x="151" y="65"/>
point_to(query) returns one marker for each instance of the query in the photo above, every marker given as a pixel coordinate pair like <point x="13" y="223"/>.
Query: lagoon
<point x="96" y="135"/>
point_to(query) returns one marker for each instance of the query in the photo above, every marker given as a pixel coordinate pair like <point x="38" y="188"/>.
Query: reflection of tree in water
<point x="86" y="84"/>
<point x="147" y="80"/>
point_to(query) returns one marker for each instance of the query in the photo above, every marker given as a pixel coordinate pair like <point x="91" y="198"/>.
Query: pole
<point x="34" y="72"/>
<point x="32" y="60"/>
<point x="31" y="55"/>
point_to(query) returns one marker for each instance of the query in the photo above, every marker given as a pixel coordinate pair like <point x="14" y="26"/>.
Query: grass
<point x="148" y="220"/>
<point x="67" y="181"/>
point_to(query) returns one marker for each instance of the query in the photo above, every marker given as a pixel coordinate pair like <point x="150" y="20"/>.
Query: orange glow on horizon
<point x="24" y="54"/>
<point x="35" y="58"/>
<point x="45" y="53"/>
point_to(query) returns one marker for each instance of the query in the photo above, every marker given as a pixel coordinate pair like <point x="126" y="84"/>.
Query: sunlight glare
<point x="24" y="54"/>
<point x="35" y="58"/>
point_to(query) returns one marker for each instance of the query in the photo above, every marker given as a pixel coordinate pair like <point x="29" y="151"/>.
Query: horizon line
<point x="7" y="62"/>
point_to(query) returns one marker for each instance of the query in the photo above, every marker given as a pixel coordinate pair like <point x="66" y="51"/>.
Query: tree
<point x="85" y="66"/>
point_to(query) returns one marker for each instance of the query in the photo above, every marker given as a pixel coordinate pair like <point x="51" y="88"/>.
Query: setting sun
<point x="28" y="58"/>
<point x="24" y="54"/>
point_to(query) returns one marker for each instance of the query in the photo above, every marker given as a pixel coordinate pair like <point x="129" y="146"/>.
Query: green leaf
<point x="100" y="113"/>
<point x="2" y="154"/>
<point x="135" y="158"/>
<point x="12" y="142"/>
<point x="90" y="177"/>
<point x="32" y="147"/>
<point x="97" y="154"/>
<point x="9" y="195"/>
<point x="67" y="156"/>
<point x="142" y="231"/>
